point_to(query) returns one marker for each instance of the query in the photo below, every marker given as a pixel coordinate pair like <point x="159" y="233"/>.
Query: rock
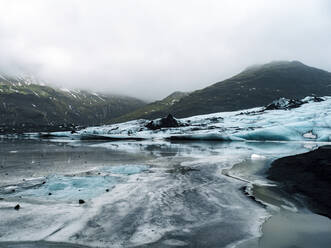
<point x="308" y="174"/>
<point x="318" y="99"/>
<point x="284" y="103"/>
<point x="182" y="170"/>
<point x="17" y="207"/>
<point x="166" y="122"/>
<point x="81" y="201"/>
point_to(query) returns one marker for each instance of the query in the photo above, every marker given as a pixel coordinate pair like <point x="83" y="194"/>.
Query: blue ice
<point x="71" y="188"/>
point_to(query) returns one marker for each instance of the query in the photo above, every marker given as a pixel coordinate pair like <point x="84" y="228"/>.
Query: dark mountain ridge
<point x="256" y="86"/>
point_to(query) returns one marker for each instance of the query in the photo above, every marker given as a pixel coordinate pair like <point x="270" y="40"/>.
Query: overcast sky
<point x="150" y="48"/>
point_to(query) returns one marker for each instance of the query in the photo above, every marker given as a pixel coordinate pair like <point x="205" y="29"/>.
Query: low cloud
<point x="149" y="49"/>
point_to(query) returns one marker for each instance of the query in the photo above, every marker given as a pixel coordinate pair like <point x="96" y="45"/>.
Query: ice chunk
<point x="310" y="135"/>
<point x="257" y="157"/>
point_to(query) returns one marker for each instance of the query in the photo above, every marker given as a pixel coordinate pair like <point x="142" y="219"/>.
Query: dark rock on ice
<point x="317" y="99"/>
<point x="284" y="103"/>
<point x="166" y="122"/>
<point x="182" y="170"/>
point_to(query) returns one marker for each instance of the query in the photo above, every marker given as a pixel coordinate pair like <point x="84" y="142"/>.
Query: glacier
<point x="309" y="121"/>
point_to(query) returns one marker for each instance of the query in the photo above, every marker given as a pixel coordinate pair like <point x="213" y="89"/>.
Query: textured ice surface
<point x="72" y="188"/>
<point x="183" y="199"/>
<point x="310" y="121"/>
<point x="126" y="169"/>
<point x="191" y="192"/>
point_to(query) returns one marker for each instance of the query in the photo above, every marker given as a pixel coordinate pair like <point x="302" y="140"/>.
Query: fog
<point x="150" y="48"/>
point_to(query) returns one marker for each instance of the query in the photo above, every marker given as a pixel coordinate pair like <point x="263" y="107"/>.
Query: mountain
<point x="27" y="104"/>
<point x="154" y="109"/>
<point x="256" y="86"/>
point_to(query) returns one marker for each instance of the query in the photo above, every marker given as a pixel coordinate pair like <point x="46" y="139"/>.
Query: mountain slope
<point x="154" y="109"/>
<point x="27" y="105"/>
<point x="255" y="86"/>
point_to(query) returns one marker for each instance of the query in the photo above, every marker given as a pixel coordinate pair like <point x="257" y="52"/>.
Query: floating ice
<point x="257" y="157"/>
<point x="310" y="135"/>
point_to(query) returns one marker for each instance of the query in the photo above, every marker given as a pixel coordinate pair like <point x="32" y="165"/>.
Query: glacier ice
<point x="158" y="207"/>
<point x="126" y="169"/>
<point x="73" y="187"/>
<point x="69" y="188"/>
<point x="286" y="124"/>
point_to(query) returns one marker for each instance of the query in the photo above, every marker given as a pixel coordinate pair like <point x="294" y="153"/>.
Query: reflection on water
<point x="148" y="193"/>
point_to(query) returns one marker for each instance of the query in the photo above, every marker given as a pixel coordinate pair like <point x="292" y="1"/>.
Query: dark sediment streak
<point x="39" y="244"/>
<point x="308" y="174"/>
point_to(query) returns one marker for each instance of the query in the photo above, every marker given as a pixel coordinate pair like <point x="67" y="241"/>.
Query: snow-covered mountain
<point x="27" y="103"/>
<point x="308" y="119"/>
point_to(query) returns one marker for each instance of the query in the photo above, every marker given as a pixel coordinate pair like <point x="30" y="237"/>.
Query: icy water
<point x="150" y="194"/>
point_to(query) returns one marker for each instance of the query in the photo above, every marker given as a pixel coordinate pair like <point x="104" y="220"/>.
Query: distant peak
<point x="275" y="64"/>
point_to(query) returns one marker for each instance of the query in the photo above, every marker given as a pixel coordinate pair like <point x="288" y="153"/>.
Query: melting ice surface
<point x="72" y="187"/>
<point x="311" y="121"/>
<point x="181" y="201"/>
<point x="126" y="169"/>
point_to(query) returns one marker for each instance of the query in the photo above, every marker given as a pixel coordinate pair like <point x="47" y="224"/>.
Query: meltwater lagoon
<point x="193" y="182"/>
<point x="149" y="194"/>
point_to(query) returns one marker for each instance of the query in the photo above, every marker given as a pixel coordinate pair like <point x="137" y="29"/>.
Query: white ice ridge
<point x="309" y="122"/>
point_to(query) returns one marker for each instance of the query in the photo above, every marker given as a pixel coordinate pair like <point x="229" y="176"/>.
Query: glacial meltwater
<point x="72" y="193"/>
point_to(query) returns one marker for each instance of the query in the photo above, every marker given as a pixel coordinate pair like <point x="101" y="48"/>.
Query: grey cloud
<point x="150" y="48"/>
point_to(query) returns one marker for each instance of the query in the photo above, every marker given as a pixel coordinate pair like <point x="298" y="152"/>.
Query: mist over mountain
<point x="150" y="49"/>
<point x="258" y="85"/>
<point x="28" y="104"/>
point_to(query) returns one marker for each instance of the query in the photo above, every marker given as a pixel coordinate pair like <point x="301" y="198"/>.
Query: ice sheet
<point x="310" y="121"/>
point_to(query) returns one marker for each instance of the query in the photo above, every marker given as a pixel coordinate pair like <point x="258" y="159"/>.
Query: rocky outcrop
<point x="308" y="174"/>
<point x="286" y="104"/>
<point x="166" y="122"/>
